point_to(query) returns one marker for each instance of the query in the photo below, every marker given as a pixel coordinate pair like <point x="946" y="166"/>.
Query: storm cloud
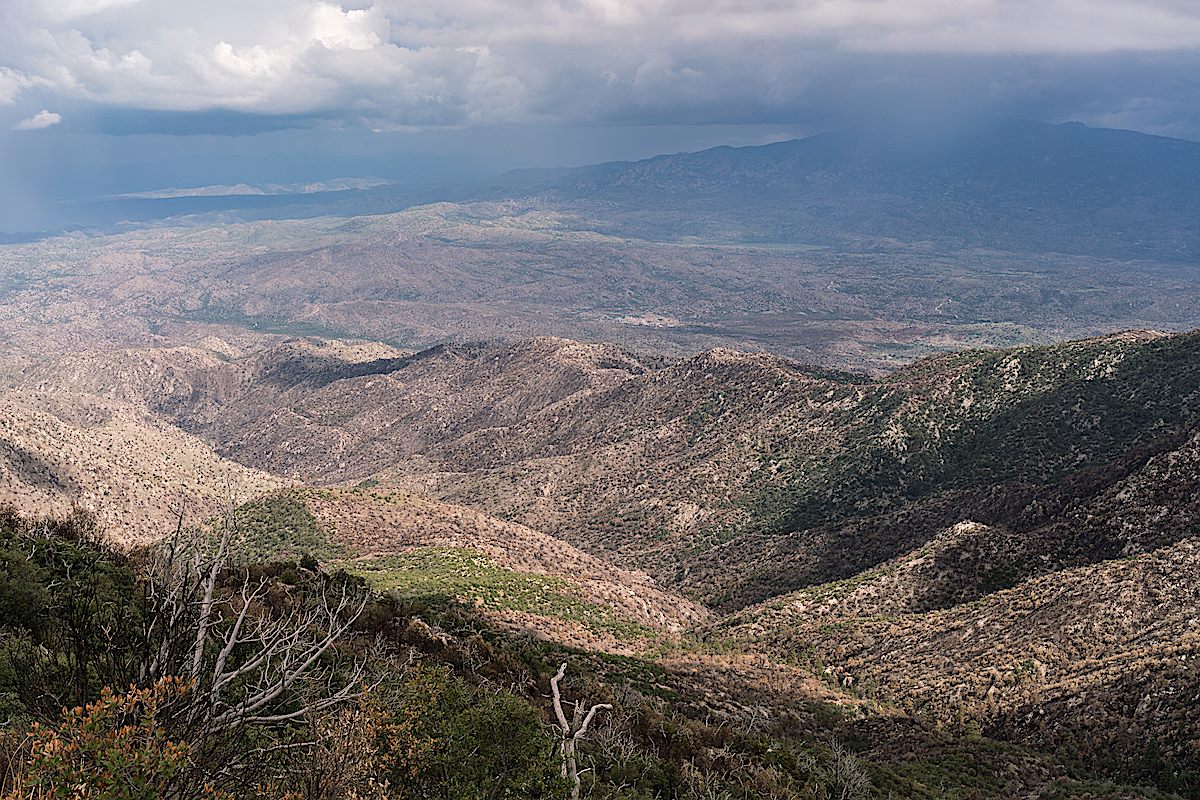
<point x="415" y="64"/>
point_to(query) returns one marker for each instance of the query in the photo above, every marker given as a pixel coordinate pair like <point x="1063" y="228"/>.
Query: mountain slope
<point x="425" y="550"/>
<point x="1106" y="656"/>
<point x="737" y="476"/>
<point x="1001" y="540"/>
<point x="755" y="470"/>
<point x="136" y="472"/>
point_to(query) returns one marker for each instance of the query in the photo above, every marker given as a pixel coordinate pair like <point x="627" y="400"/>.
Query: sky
<point x="490" y="84"/>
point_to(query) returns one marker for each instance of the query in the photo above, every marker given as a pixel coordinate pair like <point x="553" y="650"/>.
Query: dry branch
<point x="571" y="731"/>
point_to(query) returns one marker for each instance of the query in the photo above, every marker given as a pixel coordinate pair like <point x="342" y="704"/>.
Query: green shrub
<point x="456" y="742"/>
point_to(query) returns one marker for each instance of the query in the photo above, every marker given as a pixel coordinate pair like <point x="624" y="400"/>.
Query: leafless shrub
<point x="248" y="662"/>
<point x="844" y="774"/>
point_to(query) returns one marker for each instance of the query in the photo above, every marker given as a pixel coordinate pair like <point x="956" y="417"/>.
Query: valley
<point x="521" y="268"/>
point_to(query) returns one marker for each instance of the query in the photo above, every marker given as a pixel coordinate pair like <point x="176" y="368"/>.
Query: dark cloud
<point x="508" y="83"/>
<point x="215" y="122"/>
<point x="244" y="66"/>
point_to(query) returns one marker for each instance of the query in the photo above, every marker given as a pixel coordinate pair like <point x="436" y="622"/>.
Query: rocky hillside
<point x="736" y="476"/>
<point x="999" y="540"/>
<point x="1105" y="656"/>
<point x="63" y="451"/>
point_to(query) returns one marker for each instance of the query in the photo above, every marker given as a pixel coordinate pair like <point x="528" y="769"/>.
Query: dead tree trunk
<point x="571" y="731"/>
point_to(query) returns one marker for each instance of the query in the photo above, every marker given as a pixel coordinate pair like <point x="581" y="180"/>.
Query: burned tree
<point x="572" y="731"/>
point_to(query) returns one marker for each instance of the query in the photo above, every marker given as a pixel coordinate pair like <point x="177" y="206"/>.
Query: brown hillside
<point x="1106" y="655"/>
<point x="58" y="452"/>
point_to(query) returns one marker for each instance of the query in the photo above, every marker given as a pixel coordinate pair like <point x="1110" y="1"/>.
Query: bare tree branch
<point x="246" y="662"/>
<point x="570" y="733"/>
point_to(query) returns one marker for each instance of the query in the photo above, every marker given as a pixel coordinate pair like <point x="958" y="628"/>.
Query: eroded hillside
<point x="736" y="476"/>
<point x="998" y="540"/>
<point x="60" y="452"/>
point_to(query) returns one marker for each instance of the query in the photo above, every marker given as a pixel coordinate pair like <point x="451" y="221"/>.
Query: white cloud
<point x="60" y="11"/>
<point x="11" y="84"/>
<point x="42" y="119"/>
<point x="397" y="63"/>
<point x="358" y="29"/>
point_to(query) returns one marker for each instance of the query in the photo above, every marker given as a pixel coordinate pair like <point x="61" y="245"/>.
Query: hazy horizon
<point x="277" y="91"/>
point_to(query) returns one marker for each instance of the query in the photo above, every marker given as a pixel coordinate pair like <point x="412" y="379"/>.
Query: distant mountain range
<point x="1019" y="186"/>
<point x="1013" y="186"/>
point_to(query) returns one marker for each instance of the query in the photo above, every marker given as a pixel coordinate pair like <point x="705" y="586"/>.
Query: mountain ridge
<point x="1021" y="186"/>
<point x="1001" y="184"/>
<point x="723" y="451"/>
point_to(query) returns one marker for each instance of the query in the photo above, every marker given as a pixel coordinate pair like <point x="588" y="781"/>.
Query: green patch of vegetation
<point x="280" y="527"/>
<point x="707" y="644"/>
<point x="1064" y="789"/>
<point x="838" y="590"/>
<point x="458" y="742"/>
<point x="854" y="622"/>
<point x="434" y="574"/>
<point x="964" y="770"/>
<point x="703" y="416"/>
<point x="642" y="674"/>
<point x="286" y="326"/>
<point x="69" y="614"/>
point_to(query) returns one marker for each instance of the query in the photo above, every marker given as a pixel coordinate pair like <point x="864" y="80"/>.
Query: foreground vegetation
<point x="111" y="689"/>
